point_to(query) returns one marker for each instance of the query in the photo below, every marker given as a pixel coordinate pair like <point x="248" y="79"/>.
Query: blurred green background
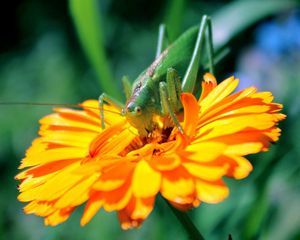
<point x="42" y="60"/>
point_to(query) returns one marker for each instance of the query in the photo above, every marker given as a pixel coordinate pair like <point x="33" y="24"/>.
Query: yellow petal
<point x="209" y="173"/>
<point x="117" y="199"/>
<point x="244" y="148"/>
<point x="78" y="194"/>
<point x="114" y="178"/>
<point x="54" y="155"/>
<point x="203" y="151"/>
<point x="177" y="184"/>
<point x="39" y="208"/>
<point x="146" y="181"/>
<point x="211" y="192"/>
<point x="58" y="217"/>
<point x="94" y="204"/>
<point x="165" y="162"/>
<point x="236" y="124"/>
<point x="69" y="138"/>
<point x="242" y="169"/>
<point x="218" y="93"/>
<point x="56" y="120"/>
<point x="55" y="187"/>
<point x="142" y="208"/>
<point x="227" y="103"/>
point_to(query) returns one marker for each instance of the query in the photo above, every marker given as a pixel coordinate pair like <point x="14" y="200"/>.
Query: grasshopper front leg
<point x="170" y="96"/>
<point x="106" y="98"/>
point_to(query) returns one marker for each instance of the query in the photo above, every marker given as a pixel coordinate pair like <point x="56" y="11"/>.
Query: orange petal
<point x="165" y="162"/>
<point x="103" y="138"/>
<point x="117" y="199"/>
<point x="191" y="111"/>
<point x="208" y="84"/>
<point x="114" y="178"/>
<point x="45" y="169"/>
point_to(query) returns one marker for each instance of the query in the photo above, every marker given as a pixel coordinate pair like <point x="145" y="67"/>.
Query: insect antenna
<point x="78" y="105"/>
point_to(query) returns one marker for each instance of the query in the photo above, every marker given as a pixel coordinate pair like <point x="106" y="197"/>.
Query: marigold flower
<point x="74" y="161"/>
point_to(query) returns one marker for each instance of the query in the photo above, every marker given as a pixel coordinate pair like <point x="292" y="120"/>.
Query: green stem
<point x="187" y="223"/>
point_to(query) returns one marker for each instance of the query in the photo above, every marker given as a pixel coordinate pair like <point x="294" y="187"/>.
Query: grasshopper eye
<point x="138" y="110"/>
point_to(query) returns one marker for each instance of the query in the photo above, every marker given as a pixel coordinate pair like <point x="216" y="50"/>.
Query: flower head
<point x="74" y="161"/>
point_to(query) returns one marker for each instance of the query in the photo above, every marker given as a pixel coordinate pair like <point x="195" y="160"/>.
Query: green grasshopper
<point x="157" y="90"/>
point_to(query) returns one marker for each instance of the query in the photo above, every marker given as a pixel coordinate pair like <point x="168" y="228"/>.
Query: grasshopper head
<point x="140" y="117"/>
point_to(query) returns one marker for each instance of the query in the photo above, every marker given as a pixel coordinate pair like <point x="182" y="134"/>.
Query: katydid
<point x="157" y="90"/>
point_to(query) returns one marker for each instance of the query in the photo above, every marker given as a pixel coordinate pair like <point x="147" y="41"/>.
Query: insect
<point x="157" y="89"/>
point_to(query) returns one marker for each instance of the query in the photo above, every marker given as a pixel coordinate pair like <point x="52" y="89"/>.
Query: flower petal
<point x="203" y="151"/>
<point x="177" y="184"/>
<point x="146" y="181"/>
<point x="93" y="205"/>
<point x="208" y="84"/>
<point x="191" y="110"/>
<point x="54" y="155"/>
<point x="78" y="194"/>
<point x="165" y="162"/>
<point x="210" y="173"/>
<point x="58" y="216"/>
<point x="211" y="192"/>
<point x="114" y="178"/>
<point x="218" y="93"/>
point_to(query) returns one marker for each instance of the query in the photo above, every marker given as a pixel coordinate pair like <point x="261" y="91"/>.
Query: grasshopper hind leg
<point x="162" y="40"/>
<point x="204" y="34"/>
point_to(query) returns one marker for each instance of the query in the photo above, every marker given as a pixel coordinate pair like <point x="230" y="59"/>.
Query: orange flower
<point x="74" y="161"/>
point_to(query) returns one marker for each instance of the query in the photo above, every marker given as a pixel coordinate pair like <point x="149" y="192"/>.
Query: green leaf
<point x="87" y="21"/>
<point x="232" y="19"/>
<point x="174" y="18"/>
<point x="257" y="216"/>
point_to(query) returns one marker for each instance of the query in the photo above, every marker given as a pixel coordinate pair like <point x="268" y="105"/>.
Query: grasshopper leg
<point x="190" y="76"/>
<point x="210" y="47"/>
<point x="170" y="96"/>
<point x="106" y="98"/>
<point x="162" y="40"/>
<point x="174" y="89"/>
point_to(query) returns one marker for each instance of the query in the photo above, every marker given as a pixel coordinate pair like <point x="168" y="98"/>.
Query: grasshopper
<point x="157" y="89"/>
